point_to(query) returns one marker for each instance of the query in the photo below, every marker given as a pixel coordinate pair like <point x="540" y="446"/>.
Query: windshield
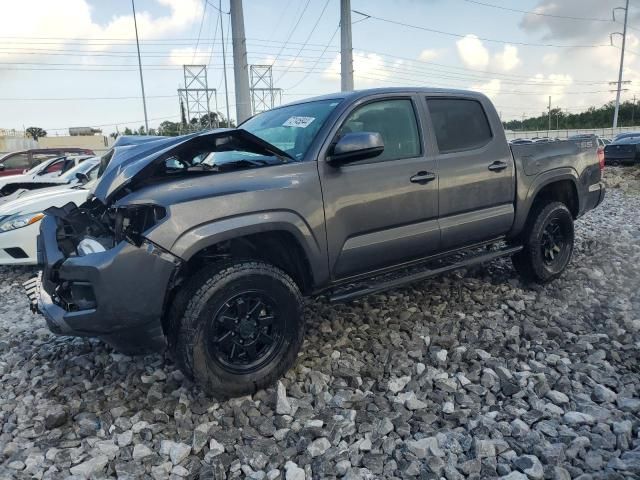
<point x="42" y="165"/>
<point x="292" y="128"/>
<point x="88" y="167"/>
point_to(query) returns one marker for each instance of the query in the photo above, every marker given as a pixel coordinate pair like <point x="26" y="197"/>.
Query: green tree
<point x="169" y="129"/>
<point x="128" y="131"/>
<point x="224" y="123"/>
<point x="593" y="117"/>
<point x="36" y="132"/>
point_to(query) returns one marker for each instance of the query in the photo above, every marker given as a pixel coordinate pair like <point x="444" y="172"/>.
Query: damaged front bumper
<point x="117" y="295"/>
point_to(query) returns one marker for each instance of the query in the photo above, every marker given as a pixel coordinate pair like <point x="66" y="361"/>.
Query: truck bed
<point x="535" y="158"/>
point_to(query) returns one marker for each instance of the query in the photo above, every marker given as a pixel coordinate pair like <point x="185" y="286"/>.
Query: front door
<point x="476" y="171"/>
<point x="382" y="210"/>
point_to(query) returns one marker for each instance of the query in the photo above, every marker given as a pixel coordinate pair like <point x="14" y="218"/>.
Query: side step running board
<point x="415" y="274"/>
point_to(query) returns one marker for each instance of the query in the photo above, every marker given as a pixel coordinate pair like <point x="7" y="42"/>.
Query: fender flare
<point x="211" y="233"/>
<point x="523" y="207"/>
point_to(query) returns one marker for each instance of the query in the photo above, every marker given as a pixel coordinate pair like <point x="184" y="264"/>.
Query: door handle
<point x="423" y="178"/>
<point x="497" y="166"/>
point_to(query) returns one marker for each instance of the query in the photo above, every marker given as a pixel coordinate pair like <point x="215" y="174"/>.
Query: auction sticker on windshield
<point x="298" y="122"/>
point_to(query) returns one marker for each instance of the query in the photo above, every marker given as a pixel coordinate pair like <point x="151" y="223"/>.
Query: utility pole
<point x="144" y="100"/>
<point x="224" y="65"/>
<point x="346" y="48"/>
<point x="624" y="41"/>
<point x="549" y="128"/>
<point x="240" y="68"/>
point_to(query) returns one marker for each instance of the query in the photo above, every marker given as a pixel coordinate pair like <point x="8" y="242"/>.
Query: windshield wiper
<point x="242" y="163"/>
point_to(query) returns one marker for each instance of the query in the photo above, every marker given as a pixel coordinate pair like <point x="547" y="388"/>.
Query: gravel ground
<point x="471" y="375"/>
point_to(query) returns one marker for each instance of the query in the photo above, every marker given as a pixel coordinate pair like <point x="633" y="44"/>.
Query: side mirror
<point x="354" y="146"/>
<point x="82" y="177"/>
<point x="2" y="167"/>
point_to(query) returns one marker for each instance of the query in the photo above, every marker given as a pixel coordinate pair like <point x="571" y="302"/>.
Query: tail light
<point x="601" y="157"/>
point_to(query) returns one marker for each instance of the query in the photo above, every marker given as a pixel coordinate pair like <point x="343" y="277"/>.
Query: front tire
<point x="548" y="244"/>
<point x="241" y="329"/>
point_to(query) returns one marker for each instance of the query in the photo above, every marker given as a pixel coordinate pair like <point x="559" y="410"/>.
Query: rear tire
<point x="548" y="244"/>
<point x="241" y="329"/>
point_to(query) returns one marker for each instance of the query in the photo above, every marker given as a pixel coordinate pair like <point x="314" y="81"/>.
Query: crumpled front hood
<point x="129" y="162"/>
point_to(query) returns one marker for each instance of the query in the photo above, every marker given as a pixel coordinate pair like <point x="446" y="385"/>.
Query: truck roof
<point x="357" y="94"/>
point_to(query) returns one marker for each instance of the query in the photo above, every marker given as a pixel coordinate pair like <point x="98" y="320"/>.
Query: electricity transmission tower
<point x="196" y="98"/>
<point x="263" y="95"/>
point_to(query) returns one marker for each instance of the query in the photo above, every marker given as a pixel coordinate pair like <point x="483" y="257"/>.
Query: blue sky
<point x="72" y="62"/>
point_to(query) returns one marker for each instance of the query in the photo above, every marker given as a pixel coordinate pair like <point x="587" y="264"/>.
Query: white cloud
<point x="550" y="59"/>
<point x="72" y="19"/>
<point x="472" y="52"/>
<point x="429" y="54"/>
<point x="554" y="85"/>
<point x="368" y="68"/>
<point x="508" y="59"/>
<point x="491" y="89"/>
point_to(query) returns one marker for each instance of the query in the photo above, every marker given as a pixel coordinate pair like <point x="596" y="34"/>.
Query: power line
<point x="204" y="15"/>
<point x="540" y="14"/>
<point x="317" y="60"/>
<point x="215" y="34"/>
<point x="458" y="35"/>
<point x="511" y="76"/>
<point x="304" y="9"/>
<point x="315" y="25"/>
<point x="125" y="42"/>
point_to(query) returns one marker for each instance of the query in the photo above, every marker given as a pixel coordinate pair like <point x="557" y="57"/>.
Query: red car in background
<point x="15" y="163"/>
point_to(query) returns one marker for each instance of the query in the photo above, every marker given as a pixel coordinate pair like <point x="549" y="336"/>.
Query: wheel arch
<point x="269" y="236"/>
<point x="554" y="185"/>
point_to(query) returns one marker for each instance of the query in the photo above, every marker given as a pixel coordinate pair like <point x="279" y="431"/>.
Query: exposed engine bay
<point x="93" y="227"/>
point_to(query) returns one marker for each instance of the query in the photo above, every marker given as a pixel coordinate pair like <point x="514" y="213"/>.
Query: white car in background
<point x="48" y="172"/>
<point x="20" y="219"/>
<point x="81" y="173"/>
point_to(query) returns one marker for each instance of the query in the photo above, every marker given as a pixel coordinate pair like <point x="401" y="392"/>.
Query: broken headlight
<point x="133" y="220"/>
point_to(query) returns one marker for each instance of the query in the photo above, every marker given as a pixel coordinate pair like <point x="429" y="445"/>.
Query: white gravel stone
<point x="318" y="447"/>
<point x="283" y="407"/>
<point x="396" y="385"/>
<point x="293" y="472"/>
<point x="578" y="418"/>
<point x="92" y="467"/>
<point x="556" y="397"/>
<point x="141" y="451"/>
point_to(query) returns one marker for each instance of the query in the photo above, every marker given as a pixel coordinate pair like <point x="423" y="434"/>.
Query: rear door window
<point x="459" y="124"/>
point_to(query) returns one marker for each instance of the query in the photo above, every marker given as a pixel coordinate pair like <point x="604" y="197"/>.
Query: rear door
<point x="15" y="164"/>
<point x="382" y="210"/>
<point x="476" y="170"/>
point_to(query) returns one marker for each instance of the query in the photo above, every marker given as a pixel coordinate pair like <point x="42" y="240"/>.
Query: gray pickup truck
<point x="208" y="243"/>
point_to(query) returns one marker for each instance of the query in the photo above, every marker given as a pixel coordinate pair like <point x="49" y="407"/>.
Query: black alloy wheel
<point x="236" y="327"/>
<point x="553" y="244"/>
<point x="245" y="332"/>
<point x="547" y="243"/>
